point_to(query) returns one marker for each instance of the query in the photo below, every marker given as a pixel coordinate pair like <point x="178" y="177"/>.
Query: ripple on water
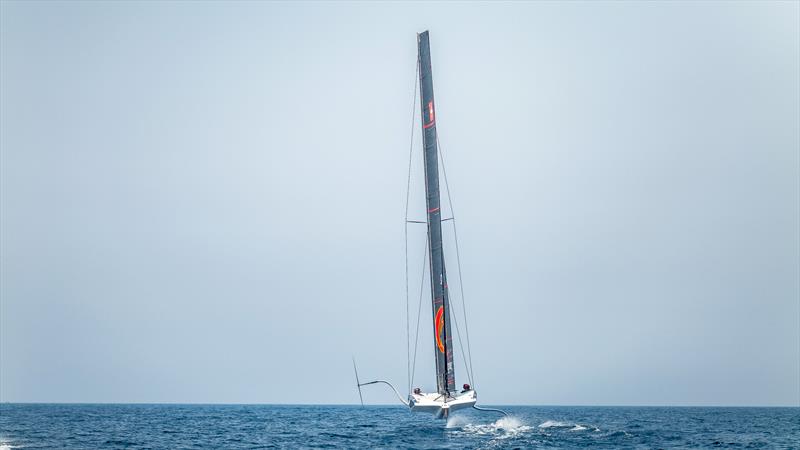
<point x="264" y="426"/>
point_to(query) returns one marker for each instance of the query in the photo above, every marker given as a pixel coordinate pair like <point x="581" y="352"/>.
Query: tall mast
<point x="443" y="341"/>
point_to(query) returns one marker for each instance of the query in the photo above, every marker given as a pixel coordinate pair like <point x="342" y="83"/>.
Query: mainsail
<point x="443" y="341"/>
<point x="447" y="398"/>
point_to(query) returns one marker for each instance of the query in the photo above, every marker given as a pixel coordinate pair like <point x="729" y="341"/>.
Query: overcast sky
<point x="204" y="202"/>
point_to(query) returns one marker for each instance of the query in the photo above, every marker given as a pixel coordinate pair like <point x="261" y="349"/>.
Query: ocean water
<point x="110" y="426"/>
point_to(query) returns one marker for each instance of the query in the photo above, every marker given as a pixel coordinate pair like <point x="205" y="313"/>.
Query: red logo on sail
<point x="440" y="328"/>
<point x="431" y="116"/>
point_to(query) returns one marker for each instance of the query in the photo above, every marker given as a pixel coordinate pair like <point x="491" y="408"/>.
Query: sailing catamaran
<point x="447" y="397"/>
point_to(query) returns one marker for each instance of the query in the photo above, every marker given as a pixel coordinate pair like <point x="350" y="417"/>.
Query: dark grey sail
<point x="443" y="341"/>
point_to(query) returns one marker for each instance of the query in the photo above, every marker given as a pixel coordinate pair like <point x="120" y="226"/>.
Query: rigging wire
<point x="419" y="307"/>
<point x="458" y="260"/>
<point x="408" y="193"/>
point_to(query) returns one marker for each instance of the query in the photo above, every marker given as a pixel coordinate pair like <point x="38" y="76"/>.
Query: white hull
<point x="440" y="406"/>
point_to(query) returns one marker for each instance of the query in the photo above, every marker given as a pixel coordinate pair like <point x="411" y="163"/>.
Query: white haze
<point x="203" y="202"/>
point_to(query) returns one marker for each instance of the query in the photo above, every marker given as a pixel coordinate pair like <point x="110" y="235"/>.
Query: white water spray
<point x="503" y="428"/>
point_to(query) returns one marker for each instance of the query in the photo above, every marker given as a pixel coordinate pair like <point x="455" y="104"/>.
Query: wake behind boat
<point x="447" y="397"/>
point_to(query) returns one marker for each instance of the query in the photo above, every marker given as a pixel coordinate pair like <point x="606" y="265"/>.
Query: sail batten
<point x="443" y="341"/>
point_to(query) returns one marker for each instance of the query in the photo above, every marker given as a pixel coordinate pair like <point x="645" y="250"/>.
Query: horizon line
<point x="387" y="404"/>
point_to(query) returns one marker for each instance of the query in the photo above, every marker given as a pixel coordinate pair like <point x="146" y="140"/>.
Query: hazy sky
<point x="204" y="202"/>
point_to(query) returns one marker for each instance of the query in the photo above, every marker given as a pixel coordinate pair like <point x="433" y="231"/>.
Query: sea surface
<point x="110" y="426"/>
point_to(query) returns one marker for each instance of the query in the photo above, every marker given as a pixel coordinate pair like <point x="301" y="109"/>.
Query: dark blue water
<point x="274" y="426"/>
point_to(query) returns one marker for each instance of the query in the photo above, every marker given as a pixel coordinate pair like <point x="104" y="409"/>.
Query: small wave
<point x="578" y="427"/>
<point x="4" y="446"/>
<point x="554" y="424"/>
<point x="622" y="433"/>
